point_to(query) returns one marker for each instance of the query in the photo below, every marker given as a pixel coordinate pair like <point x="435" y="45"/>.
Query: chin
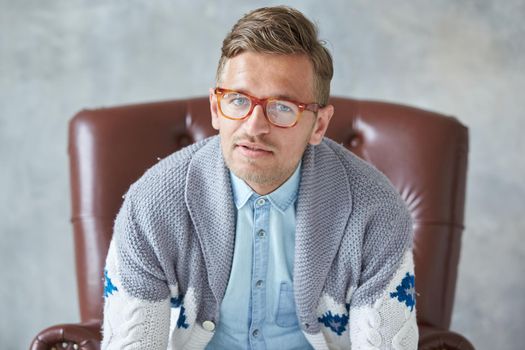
<point x="250" y="174"/>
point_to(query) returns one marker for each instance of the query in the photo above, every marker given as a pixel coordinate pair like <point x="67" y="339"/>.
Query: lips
<point x="253" y="150"/>
<point x="254" y="146"/>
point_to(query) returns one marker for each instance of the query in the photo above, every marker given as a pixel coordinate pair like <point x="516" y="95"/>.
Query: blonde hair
<point x="280" y="30"/>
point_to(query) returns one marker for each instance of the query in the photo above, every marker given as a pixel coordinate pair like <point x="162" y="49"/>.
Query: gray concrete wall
<point x="458" y="57"/>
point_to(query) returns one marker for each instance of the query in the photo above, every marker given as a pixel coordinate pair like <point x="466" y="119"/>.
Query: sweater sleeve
<point x="136" y="295"/>
<point x="382" y="305"/>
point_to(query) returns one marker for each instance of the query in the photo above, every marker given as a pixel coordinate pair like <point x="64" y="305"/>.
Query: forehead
<point x="268" y="75"/>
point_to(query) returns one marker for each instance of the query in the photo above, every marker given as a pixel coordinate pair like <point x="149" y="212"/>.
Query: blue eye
<point x="237" y="100"/>
<point x="240" y="101"/>
<point x="282" y="108"/>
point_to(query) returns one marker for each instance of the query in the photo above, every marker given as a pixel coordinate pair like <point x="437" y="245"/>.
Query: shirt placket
<point x="261" y="222"/>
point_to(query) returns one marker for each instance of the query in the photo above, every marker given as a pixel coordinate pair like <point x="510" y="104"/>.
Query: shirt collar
<point x="241" y="191"/>
<point x="281" y="198"/>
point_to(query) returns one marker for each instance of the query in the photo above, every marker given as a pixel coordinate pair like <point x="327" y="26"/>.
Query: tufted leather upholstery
<point x="424" y="154"/>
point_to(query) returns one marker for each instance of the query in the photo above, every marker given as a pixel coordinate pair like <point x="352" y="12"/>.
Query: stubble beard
<point x="268" y="176"/>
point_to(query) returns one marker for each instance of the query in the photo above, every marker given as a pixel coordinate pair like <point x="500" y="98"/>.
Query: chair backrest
<point x="424" y="154"/>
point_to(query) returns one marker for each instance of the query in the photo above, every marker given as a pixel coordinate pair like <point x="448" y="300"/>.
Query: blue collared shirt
<point x="258" y="309"/>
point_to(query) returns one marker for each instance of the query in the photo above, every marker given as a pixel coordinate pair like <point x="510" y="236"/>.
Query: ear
<point x="215" y="120"/>
<point x="321" y="124"/>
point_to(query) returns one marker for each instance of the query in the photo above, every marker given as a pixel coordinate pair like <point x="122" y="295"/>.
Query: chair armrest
<point x="87" y="336"/>
<point x="78" y="336"/>
<point x="431" y="338"/>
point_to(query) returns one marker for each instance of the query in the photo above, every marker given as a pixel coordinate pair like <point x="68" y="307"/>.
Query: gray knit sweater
<point x="170" y="257"/>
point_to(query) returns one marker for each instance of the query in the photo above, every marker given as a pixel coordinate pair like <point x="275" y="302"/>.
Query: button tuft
<point x="208" y="325"/>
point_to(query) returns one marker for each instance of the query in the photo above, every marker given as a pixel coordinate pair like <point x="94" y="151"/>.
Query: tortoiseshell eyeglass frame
<point x="263" y="102"/>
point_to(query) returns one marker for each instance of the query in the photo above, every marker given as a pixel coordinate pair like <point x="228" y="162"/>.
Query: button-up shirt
<point x="258" y="309"/>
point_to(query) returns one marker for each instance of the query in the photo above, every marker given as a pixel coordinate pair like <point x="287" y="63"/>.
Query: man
<point x="268" y="236"/>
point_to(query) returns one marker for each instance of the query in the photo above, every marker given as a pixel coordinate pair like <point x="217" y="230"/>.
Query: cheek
<point x="227" y="132"/>
<point x="293" y="147"/>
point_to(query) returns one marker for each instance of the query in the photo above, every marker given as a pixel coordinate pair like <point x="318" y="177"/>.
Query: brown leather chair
<point x="423" y="153"/>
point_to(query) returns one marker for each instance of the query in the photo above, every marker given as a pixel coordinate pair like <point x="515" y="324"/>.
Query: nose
<point x="256" y="124"/>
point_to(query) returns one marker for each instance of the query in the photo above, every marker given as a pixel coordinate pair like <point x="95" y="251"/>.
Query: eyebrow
<point x="278" y="96"/>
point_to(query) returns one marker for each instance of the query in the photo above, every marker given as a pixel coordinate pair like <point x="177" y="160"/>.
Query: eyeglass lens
<point x="236" y="105"/>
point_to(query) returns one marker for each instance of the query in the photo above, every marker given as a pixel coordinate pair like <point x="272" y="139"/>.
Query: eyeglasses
<point x="279" y="112"/>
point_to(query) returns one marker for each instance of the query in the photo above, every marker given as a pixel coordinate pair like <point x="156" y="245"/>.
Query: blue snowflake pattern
<point x="109" y="287"/>
<point x="181" y="322"/>
<point x="406" y="291"/>
<point x="336" y="323"/>
<point x="177" y="302"/>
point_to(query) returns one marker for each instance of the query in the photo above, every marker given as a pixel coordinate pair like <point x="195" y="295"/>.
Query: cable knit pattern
<point x="132" y="323"/>
<point x="172" y="249"/>
<point x="388" y="323"/>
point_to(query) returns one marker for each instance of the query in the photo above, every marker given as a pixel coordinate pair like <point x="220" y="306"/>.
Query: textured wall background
<point x="458" y="57"/>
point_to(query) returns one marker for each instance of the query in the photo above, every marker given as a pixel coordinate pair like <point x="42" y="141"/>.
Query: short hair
<point x="281" y="30"/>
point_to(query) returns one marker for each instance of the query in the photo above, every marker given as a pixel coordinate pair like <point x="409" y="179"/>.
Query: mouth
<point x="253" y="150"/>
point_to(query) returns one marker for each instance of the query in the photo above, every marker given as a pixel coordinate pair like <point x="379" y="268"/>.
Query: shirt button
<point x="260" y="201"/>
<point x="261" y="233"/>
<point x="208" y="325"/>
<point x="255" y="333"/>
<point x="259" y="283"/>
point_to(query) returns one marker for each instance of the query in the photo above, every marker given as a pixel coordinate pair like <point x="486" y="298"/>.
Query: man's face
<point x="261" y="154"/>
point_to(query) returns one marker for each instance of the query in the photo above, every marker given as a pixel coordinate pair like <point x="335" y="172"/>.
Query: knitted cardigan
<point x="170" y="257"/>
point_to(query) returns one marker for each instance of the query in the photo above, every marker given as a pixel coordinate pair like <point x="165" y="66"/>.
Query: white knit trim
<point x="199" y="339"/>
<point x="326" y="302"/>
<point x="349" y="294"/>
<point x="174" y="290"/>
<point x="317" y="341"/>
<point x="388" y="323"/>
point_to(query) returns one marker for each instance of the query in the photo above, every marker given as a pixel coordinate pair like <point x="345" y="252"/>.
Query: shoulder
<point x="364" y="179"/>
<point x="377" y="208"/>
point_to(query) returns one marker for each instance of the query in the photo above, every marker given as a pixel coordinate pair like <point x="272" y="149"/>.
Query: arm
<point x="382" y="307"/>
<point x="136" y="294"/>
<point x="389" y="322"/>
